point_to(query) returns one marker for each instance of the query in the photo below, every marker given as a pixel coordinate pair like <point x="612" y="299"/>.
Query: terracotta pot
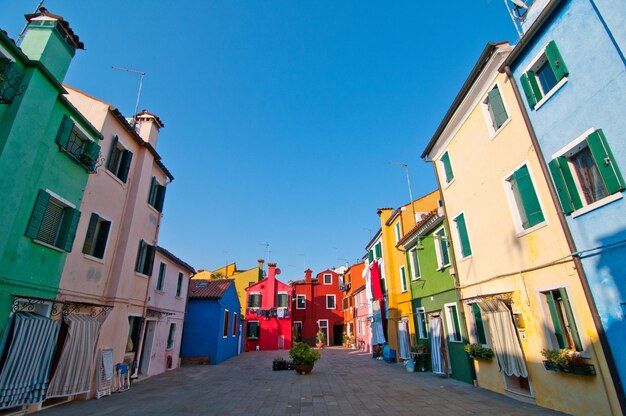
<point x="319" y="345"/>
<point x="303" y="368"/>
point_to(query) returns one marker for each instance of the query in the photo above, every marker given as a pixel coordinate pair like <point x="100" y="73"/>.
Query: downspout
<point x="608" y="355"/>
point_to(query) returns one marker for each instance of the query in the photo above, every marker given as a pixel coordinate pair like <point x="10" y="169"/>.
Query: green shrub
<point x="478" y="351"/>
<point x="303" y="354"/>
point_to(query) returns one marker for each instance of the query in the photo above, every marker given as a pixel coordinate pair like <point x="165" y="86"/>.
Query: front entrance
<point x="146" y="348"/>
<point x="439" y="354"/>
<point x="337" y="334"/>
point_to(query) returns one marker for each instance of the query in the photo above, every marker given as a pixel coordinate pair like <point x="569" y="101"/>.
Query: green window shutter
<point x="152" y="191"/>
<point x="466" y="249"/>
<point x="379" y="250"/>
<point x="573" y="329"/>
<point x="89" y="157"/>
<point x="531" y="88"/>
<point x="65" y="131"/>
<point x="179" y="285"/>
<point x="39" y="211"/>
<point x="139" y="262"/>
<point x="529" y="198"/>
<point x="558" y="330"/>
<point x="605" y="162"/>
<point x="455" y="322"/>
<point x="497" y="107"/>
<point x="67" y="233"/>
<point x="112" y="153"/>
<point x="127" y="157"/>
<point x="150" y="250"/>
<point x="91" y="231"/>
<point x="160" y="197"/>
<point x="556" y="61"/>
<point x="565" y="186"/>
<point x="370" y="255"/>
<point x="403" y="277"/>
<point x="445" y="159"/>
<point x="480" y="326"/>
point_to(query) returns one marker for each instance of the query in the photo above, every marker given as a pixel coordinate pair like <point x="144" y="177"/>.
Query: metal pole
<point x="408" y="181"/>
<point x="142" y="74"/>
<point x="23" y="32"/>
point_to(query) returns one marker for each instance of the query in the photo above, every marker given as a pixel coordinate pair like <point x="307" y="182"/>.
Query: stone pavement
<point x="342" y="383"/>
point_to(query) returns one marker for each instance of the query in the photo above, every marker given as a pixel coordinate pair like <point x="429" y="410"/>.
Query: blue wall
<point x="591" y="36"/>
<point x="204" y="328"/>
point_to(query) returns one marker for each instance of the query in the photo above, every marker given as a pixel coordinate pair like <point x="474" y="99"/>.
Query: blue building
<point x="570" y="69"/>
<point x="212" y="329"/>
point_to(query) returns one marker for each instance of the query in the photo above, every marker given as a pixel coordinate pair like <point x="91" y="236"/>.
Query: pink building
<point x="109" y="269"/>
<point x="362" y="319"/>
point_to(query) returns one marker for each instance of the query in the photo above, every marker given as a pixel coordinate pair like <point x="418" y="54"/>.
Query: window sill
<point x="550" y="93"/>
<point x="599" y="203"/>
<point x="456" y="342"/>
<point x="115" y="178"/>
<point x="497" y="132"/>
<point x="447" y="184"/>
<point x="92" y="258"/>
<point x="159" y="292"/>
<point x="50" y="246"/>
<point x="442" y="267"/>
<point x="154" y="209"/>
<point x="531" y="229"/>
<point x="142" y="275"/>
<point x="415" y="279"/>
<point x="465" y="258"/>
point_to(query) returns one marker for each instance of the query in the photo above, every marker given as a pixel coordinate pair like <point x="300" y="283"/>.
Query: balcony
<point x="10" y="81"/>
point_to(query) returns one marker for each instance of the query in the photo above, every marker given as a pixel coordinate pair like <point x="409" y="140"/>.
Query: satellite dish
<point x="520" y="4"/>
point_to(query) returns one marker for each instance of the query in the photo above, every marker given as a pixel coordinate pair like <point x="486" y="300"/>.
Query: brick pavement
<point x="342" y="383"/>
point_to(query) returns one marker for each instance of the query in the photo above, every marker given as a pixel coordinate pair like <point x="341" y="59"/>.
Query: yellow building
<point x="242" y="278"/>
<point x="394" y="224"/>
<point x="520" y="289"/>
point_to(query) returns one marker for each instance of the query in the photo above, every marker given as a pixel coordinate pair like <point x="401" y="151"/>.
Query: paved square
<point x="342" y="383"/>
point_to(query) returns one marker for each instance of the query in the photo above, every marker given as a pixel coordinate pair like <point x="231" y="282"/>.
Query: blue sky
<point x="281" y="117"/>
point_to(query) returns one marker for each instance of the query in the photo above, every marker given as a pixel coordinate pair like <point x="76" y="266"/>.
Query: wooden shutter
<point x="556" y="61"/>
<point x="91" y="233"/>
<point x="480" y="326"/>
<point x="528" y="196"/>
<point x="455" y="322"/>
<point x="466" y="249"/>
<point x="370" y="255"/>
<point x="127" y="157"/>
<point x="497" y="107"/>
<point x="403" y="277"/>
<point x="160" y="198"/>
<point x="565" y="186"/>
<point x="150" y="251"/>
<point x="531" y="88"/>
<point x="67" y="234"/>
<point x="140" y="257"/>
<point x="65" y="131"/>
<point x="445" y="159"/>
<point x="179" y="285"/>
<point x="39" y="211"/>
<point x="112" y="150"/>
<point x="152" y="191"/>
<point x="605" y="162"/>
<point x="379" y="250"/>
<point x="573" y="329"/>
<point x="90" y="153"/>
<point x="556" y="321"/>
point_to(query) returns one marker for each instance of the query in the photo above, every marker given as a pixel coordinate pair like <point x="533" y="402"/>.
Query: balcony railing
<point x="10" y="81"/>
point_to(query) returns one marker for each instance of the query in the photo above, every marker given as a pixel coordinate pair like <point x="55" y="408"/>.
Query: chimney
<point x="148" y="126"/>
<point x="260" y="267"/>
<point x="307" y="275"/>
<point x="51" y="41"/>
<point x="270" y="285"/>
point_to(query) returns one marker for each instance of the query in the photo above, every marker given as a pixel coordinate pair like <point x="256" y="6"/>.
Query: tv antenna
<point x="408" y="182"/>
<point x="267" y="248"/>
<point x="142" y="74"/>
<point x="23" y="32"/>
<point x="516" y="13"/>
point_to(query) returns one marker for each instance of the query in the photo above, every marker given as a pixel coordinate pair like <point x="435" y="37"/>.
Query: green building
<point x="438" y="314"/>
<point x="47" y="151"/>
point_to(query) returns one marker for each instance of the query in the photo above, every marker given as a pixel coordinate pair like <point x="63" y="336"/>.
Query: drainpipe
<point x="608" y="355"/>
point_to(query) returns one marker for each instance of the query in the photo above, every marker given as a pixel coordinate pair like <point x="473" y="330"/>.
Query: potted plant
<point x="422" y="346"/>
<point x="320" y="338"/>
<point x="346" y="340"/>
<point x="478" y="352"/>
<point x="567" y="361"/>
<point x="303" y="357"/>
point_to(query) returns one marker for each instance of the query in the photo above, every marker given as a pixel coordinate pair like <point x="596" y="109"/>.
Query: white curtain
<point x="504" y="338"/>
<point x="436" y="355"/>
<point x="378" y="335"/>
<point x="403" y="338"/>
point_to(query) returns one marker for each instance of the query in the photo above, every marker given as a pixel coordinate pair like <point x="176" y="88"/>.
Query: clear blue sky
<point x="281" y="117"/>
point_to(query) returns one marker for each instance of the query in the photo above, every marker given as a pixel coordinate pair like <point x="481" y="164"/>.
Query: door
<point x="337" y="334"/>
<point x="403" y="338"/>
<point x="146" y="350"/>
<point x="323" y="327"/>
<point x="438" y="353"/>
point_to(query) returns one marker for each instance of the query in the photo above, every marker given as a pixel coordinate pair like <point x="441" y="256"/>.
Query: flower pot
<point x="319" y="345"/>
<point x="303" y="368"/>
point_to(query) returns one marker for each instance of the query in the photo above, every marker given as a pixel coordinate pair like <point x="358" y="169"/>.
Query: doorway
<point x="146" y="349"/>
<point x="438" y="348"/>
<point x="337" y="334"/>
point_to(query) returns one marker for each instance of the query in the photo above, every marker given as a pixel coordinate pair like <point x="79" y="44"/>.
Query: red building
<point x="318" y="307"/>
<point x="268" y="313"/>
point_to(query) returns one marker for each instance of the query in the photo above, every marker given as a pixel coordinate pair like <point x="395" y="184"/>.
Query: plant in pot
<point x="478" y="352"/>
<point x="567" y="361"/>
<point x="422" y="346"/>
<point x="303" y="357"/>
<point x="320" y="338"/>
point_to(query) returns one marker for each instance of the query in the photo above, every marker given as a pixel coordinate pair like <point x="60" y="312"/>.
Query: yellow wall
<point x="393" y="258"/>
<point x="480" y="164"/>
<point x="242" y="279"/>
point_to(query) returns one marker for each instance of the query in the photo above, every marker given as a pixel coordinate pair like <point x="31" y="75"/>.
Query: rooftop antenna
<point x="267" y="248"/>
<point x="303" y="260"/>
<point x="515" y="11"/>
<point x="138" y="93"/>
<point x="23" y="32"/>
<point x="408" y="182"/>
<point x="368" y="229"/>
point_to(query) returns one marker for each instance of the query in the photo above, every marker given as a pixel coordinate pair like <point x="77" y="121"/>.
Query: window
<point x="297" y="331"/>
<point x="495" y="110"/>
<point x="345" y="304"/>
<point x="370" y="255"/>
<point x="398" y="232"/>
<point x="161" y="279"/>
<point x="565" y="332"/>
<point x="10" y="80"/>
<point x="145" y="258"/>
<point x="330" y="301"/>
<point x="252" y="329"/>
<point x="441" y="248"/>
<point x="170" y="336"/>
<point x="179" y="284"/>
<point x="254" y="300"/>
<point x="328" y="279"/>
<point x="461" y="230"/>
<point x="157" y="195"/>
<point x="452" y="319"/>
<point x="586" y="172"/>
<point x="358" y="327"/>
<point x="75" y="143"/>
<point x="544" y="75"/>
<point x="378" y="250"/>
<point x="421" y="323"/>
<point x="226" y="322"/>
<point x="520" y="188"/>
<point x="97" y="236"/>
<point x="479" y="326"/>
<point x="403" y="279"/>
<point x="300" y="301"/>
<point x="415" y="264"/>
<point x="134" y="331"/>
<point x="53" y="221"/>
<point x="119" y="160"/>
<point x="447" y="167"/>
<point x="282" y="300"/>
<point x="235" y="324"/>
